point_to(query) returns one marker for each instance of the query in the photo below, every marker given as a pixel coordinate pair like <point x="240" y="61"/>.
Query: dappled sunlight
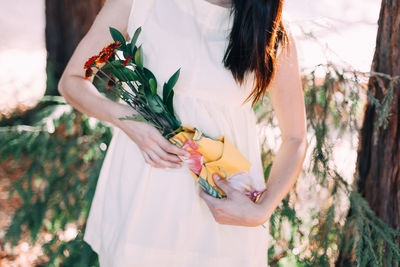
<point x="344" y="31"/>
<point x="22" y="54"/>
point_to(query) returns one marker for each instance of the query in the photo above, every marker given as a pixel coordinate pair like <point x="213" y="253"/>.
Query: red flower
<point x="111" y="83"/>
<point x="113" y="45"/>
<point x="91" y="61"/>
<point x="88" y="72"/>
<point x="107" y="52"/>
<point x="88" y="66"/>
<point x="103" y="56"/>
<point x="254" y="195"/>
<point x="126" y="61"/>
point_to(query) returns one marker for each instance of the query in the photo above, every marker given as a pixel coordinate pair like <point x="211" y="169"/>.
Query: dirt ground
<point x="24" y="254"/>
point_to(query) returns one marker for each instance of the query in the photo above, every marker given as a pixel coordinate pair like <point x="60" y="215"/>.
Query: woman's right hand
<point x="156" y="149"/>
<point x="82" y="95"/>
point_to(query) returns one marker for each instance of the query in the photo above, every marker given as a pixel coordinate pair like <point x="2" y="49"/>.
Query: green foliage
<point x="117" y="36"/>
<point x="168" y="92"/>
<point x="372" y="237"/>
<point x="333" y="106"/>
<point x="74" y="253"/>
<point x="135" y="37"/>
<point x="62" y="156"/>
<point x="382" y="107"/>
<point x="130" y="71"/>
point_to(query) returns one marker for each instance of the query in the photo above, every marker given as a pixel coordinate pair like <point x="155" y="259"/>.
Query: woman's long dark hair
<point x="256" y="33"/>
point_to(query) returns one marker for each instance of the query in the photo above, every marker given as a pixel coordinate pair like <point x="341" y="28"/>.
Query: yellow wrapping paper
<point x="211" y="156"/>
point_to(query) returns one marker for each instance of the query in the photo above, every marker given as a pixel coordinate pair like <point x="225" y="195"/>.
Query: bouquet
<point x="123" y="76"/>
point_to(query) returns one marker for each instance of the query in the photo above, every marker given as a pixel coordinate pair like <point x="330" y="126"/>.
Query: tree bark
<point x="378" y="165"/>
<point x="67" y="21"/>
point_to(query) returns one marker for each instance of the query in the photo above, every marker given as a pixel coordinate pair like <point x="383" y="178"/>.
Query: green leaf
<point x="141" y="89"/>
<point x="124" y="74"/>
<point x="267" y="169"/>
<point x="133" y="51"/>
<point x="153" y="86"/>
<point x="170" y="102"/>
<point x="113" y="64"/>
<point x="168" y="92"/>
<point x="168" y="96"/>
<point x="151" y="100"/>
<point x="127" y="51"/>
<point x="117" y="36"/>
<point x="135" y="117"/>
<point x="135" y="36"/>
<point x="139" y="57"/>
<point x="149" y="75"/>
<point x="174" y="78"/>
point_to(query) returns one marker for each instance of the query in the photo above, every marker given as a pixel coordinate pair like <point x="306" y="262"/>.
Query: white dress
<point x="152" y="217"/>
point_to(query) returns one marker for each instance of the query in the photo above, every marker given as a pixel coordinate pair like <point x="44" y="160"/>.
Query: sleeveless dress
<point x="145" y="216"/>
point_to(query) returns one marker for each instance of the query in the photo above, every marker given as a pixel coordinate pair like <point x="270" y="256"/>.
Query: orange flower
<point x="107" y="52"/>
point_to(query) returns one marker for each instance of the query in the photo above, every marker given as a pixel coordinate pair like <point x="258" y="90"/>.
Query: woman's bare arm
<point x="76" y="90"/>
<point x="83" y="96"/>
<point x="288" y="103"/>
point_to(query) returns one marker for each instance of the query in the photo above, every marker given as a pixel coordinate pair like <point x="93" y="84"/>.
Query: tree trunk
<point x="67" y="21"/>
<point x="378" y="165"/>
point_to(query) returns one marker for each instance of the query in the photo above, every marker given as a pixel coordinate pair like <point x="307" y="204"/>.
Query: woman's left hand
<point x="236" y="208"/>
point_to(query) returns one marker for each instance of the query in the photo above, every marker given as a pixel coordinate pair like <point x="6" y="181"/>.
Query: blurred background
<point x="327" y="218"/>
<point x="347" y="28"/>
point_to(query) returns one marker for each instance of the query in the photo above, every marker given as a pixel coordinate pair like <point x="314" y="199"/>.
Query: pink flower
<point x="190" y="144"/>
<point x="243" y="182"/>
<point x="196" y="159"/>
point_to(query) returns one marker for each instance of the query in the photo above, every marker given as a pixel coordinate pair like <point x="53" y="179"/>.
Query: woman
<point x="147" y="209"/>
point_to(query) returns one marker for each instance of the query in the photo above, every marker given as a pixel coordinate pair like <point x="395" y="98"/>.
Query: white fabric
<point x="145" y="216"/>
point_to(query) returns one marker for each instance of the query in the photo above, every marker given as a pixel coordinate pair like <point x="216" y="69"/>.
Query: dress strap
<point x="139" y="12"/>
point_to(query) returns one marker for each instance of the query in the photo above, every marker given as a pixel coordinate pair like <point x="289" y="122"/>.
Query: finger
<point x="167" y="159"/>
<point x="148" y="159"/>
<point x="223" y="184"/>
<point x="165" y="155"/>
<point x="158" y="161"/>
<point x="173" y="149"/>
<point x="207" y="198"/>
